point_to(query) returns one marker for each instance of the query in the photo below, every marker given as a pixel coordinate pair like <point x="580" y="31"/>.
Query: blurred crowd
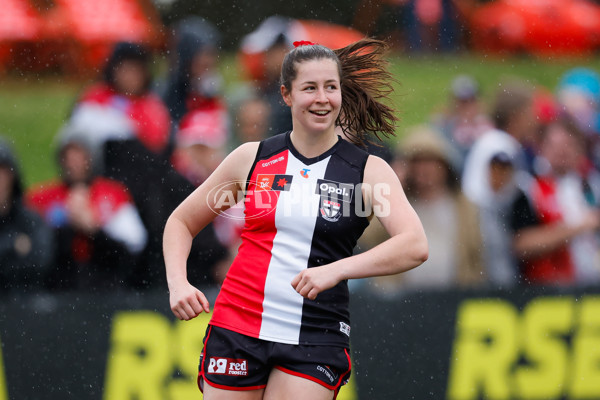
<point x="507" y="189"/>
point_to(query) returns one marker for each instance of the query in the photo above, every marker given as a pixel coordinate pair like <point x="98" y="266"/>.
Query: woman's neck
<point x="311" y="145"/>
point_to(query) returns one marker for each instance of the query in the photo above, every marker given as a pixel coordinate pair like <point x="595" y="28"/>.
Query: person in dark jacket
<point x="194" y="81"/>
<point x="26" y="242"/>
<point x="99" y="232"/>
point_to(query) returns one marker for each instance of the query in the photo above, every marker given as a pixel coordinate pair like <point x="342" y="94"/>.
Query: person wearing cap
<point x="200" y="143"/>
<point x="578" y="95"/>
<point x="578" y="92"/>
<point x="200" y="146"/>
<point x="26" y="242"/>
<point x="464" y="120"/>
<point x="99" y="232"/>
<point x="450" y="220"/>
<point x="272" y="40"/>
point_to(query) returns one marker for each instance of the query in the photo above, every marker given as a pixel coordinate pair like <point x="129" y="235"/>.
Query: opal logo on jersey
<point x="228" y="366"/>
<point x="335" y="190"/>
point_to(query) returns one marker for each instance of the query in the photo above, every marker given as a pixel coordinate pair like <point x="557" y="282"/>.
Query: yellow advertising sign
<point x="3" y="386"/>
<point x="550" y="350"/>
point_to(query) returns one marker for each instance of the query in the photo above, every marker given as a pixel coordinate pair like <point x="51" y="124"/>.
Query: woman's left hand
<point x="312" y="281"/>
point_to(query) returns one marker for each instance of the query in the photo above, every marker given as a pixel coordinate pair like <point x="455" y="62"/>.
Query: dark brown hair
<point x="512" y="97"/>
<point x="365" y="84"/>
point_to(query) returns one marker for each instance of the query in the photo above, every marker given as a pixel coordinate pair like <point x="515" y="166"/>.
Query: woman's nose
<point x="321" y="95"/>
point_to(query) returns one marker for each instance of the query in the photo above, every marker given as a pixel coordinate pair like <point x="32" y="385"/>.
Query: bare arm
<point x="190" y="217"/>
<point x="538" y="240"/>
<point x="405" y="249"/>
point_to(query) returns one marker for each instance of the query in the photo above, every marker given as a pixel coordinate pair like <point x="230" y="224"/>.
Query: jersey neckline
<point x="311" y="160"/>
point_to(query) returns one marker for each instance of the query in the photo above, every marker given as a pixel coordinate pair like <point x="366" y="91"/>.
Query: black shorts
<point x="233" y="361"/>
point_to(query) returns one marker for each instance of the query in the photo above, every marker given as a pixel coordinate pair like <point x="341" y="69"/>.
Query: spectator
<point x="578" y="95"/>
<point x="270" y="87"/>
<point x="252" y="120"/>
<point x="98" y="229"/>
<point x="272" y="39"/>
<point x="375" y="233"/>
<point x="556" y="228"/>
<point x="200" y="143"/>
<point x="490" y="181"/>
<point x="194" y="81"/>
<point x="26" y="242"/>
<point x="464" y="120"/>
<point x="432" y="25"/>
<point x="450" y="220"/>
<point x="200" y="146"/>
<point x="122" y="105"/>
<point x="513" y="111"/>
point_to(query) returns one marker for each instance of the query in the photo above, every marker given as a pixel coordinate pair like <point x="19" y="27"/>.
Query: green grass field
<point x="32" y="109"/>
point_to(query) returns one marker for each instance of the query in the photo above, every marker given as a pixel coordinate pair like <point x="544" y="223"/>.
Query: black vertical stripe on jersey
<point x="332" y="241"/>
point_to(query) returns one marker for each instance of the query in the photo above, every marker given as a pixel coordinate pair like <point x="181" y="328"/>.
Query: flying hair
<point x="366" y="85"/>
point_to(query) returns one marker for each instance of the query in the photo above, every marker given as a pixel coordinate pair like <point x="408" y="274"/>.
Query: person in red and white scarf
<point x="99" y="232"/>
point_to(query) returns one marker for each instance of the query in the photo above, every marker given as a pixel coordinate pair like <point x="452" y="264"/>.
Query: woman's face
<point x="561" y="149"/>
<point x="428" y="172"/>
<point x="130" y="78"/>
<point x="75" y="163"/>
<point x="500" y="174"/>
<point x="315" y="97"/>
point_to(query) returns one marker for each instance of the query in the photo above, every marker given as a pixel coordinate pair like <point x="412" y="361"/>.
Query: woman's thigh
<point x="283" y="386"/>
<point x="213" y="393"/>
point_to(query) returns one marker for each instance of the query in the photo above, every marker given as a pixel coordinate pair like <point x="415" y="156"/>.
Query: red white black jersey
<point x="299" y="213"/>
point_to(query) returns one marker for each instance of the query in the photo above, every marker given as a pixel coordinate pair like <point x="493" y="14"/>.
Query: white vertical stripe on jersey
<point x="295" y="219"/>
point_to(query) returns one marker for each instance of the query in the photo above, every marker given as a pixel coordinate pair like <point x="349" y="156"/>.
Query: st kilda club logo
<point x="334" y="198"/>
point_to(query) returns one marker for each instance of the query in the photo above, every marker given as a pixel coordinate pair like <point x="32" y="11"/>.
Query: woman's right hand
<point x="186" y="301"/>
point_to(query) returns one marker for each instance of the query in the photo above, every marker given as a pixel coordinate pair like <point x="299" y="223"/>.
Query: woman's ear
<point x="286" y="96"/>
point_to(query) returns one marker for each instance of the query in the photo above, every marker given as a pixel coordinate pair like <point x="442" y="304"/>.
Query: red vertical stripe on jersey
<point x="246" y="277"/>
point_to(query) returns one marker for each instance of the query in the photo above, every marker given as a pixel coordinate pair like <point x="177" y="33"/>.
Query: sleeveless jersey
<point x="299" y="213"/>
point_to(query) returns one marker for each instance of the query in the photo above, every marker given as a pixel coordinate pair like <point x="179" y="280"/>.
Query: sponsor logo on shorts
<point x="345" y="328"/>
<point x="228" y="366"/>
<point x="331" y="376"/>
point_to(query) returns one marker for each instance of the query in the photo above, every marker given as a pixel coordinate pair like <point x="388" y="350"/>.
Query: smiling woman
<point x="315" y="100"/>
<point x="280" y="326"/>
